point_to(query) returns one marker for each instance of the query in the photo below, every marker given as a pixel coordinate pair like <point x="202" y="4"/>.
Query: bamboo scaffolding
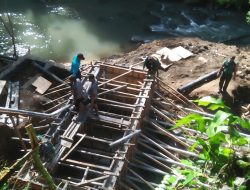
<point x="114" y="78"/>
<point x="85" y="175"/>
<point x="139" y="181"/>
<point x="161" y="148"/>
<point x="81" y="163"/>
<point x="157" y="170"/>
<point x="180" y="151"/>
<point x="121" y="82"/>
<point x="32" y="113"/>
<point x="56" y="78"/>
<point x="112" y="90"/>
<point x="161" y="114"/>
<point x="56" y="87"/>
<point x="133" y="185"/>
<point x="148" y="168"/>
<point x="121" y="94"/>
<point x="183" y="97"/>
<point x="59" y="90"/>
<point x="125" y="138"/>
<point x="56" y="106"/>
<point x="167" y="133"/>
<point x="71" y="149"/>
<point x="80" y="168"/>
<point x="36" y="158"/>
<point x="157" y="162"/>
<point x="92" y="180"/>
<point x="127" y="89"/>
<point x="158" y="94"/>
<point x="57" y="99"/>
<point x="141" y="178"/>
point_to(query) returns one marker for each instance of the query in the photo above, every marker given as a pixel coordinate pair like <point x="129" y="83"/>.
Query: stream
<point x="57" y="29"/>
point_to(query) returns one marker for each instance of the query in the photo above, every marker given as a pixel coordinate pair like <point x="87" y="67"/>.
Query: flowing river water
<point x="57" y="29"/>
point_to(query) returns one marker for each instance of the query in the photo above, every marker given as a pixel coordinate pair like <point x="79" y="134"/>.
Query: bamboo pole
<point x="184" y="98"/>
<point x="112" y="90"/>
<point x="62" y="97"/>
<point x="61" y="89"/>
<point x="56" y="106"/>
<point x="139" y="181"/>
<point x="156" y="170"/>
<point x="6" y="173"/>
<point x="162" y="114"/>
<point x="32" y="113"/>
<point x="48" y="73"/>
<point x="161" y="148"/>
<point x="125" y="138"/>
<point x="78" y="142"/>
<point x="114" y="78"/>
<point x="158" y="94"/>
<point x="36" y="158"/>
<point x="157" y="162"/>
<point x="141" y="178"/>
<point x="92" y="180"/>
<point x="167" y="133"/>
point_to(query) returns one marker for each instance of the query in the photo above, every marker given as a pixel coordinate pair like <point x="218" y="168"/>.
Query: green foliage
<point x="218" y="162"/>
<point x="239" y="4"/>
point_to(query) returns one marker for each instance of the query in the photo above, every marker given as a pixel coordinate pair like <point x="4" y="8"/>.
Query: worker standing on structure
<point x="92" y="93"/>
<point x="78" y="91"/>
<point x="75" y="65"/>
<point x="227" y="70"/>
<point x="153" y="64"/>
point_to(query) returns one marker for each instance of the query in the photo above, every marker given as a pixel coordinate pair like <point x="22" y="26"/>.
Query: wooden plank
<point x="41" y="84"/>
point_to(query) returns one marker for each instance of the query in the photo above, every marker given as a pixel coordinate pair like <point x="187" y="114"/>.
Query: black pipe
<point x="186" y="89"/>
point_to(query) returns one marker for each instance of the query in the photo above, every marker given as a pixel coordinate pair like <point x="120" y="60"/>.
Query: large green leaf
<point x="219" y="118"/>
<point x="205" y="101"/>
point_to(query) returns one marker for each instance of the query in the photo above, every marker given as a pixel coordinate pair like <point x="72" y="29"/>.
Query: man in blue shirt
<point x="75" y="65"/>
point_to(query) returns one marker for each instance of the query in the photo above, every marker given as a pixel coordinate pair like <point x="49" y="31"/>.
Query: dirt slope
<point x="207" y="57"/>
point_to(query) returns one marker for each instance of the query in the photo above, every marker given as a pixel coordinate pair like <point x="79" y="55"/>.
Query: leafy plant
<point x="220" y="145"/>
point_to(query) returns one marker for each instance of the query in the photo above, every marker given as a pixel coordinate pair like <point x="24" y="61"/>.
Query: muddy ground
<point x="208" y="56"/>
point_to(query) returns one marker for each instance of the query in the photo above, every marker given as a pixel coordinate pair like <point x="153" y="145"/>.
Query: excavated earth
<point x="208" y="56"/>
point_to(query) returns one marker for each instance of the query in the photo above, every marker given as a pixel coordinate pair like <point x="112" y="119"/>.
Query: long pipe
<point x="123" y="139"/>
<point x="31" y="113"/>
<point x="198" y="82"/>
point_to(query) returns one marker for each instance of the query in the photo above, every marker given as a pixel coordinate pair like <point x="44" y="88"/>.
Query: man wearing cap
<point x="75" y="65"/>
<point x="153" y="64"/>
<point x="227" y="70"/>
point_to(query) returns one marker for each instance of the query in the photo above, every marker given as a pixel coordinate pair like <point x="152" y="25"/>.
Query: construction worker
<point x="78" y="91"/>
<point x="227" y="70"/>
<point x="92" y="93"/>
<point x="153" y="64"/>
<point x="75" y="65"/>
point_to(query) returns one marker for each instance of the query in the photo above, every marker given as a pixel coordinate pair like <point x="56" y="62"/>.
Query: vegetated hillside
<point x="208" y="56"/>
